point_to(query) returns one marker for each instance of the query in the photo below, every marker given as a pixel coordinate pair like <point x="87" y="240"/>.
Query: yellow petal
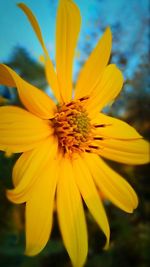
<point x="114" y="187"/>
<point x="126" y="151"/>
<point x="68" y="27"/>
<point x="91" y="72"/>
<point x="114" y="128"/>
<point x="39" y="210"/>
<point x="5" y="78"/>
<point x="106" y="90"/>
<point x="20" y="167"/>
<point x="33" y="23"/>
<point x="32" y="19"/>
<point x="35" y="100"/>
<point x="48" y="72"/>
<point x="71" y="215"/>
<point x="90" y="195"/>
<point x="29" y="169"/>
<point x="3" y="100"/>
<point x="20" y="130"/>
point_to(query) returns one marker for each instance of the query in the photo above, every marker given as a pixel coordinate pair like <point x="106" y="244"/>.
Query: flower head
<point x="61" y="142"/>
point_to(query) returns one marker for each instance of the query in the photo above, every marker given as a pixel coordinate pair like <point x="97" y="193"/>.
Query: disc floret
<point x="72" y="127"/>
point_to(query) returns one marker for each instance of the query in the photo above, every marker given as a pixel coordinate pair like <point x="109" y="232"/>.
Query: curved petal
<point x="29" y="169"/>
<point x="49" y="80"/>
<point x="90" y="195"/>
<point x="52" y="74"/>
<point x="125" y="151"/>
<point x="39" y="210"/>
<point x="34" y="24"/>
<point x="71" y="215"/>
<point x="68" y="27"/>
<point x="20" y="130"/>
<point x="35" y="100"/>
<point x="114" y="187"/>
<point x="113" y="128"/>
<point x="20" y="167"/>
<point x="3" y="100"/>
<point x="106" y="90"/>
<point x="91" y="72"/>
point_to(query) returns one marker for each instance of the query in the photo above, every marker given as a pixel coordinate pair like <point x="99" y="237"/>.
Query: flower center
<point x="72" y="127"/>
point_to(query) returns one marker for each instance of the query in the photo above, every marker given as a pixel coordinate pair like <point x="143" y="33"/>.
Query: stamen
<point x="87" y="150"/>
<point x="101" y="125"/>
<point x="98" y="138"/>
<point x="65" y="128"/>
<point x="76" y="146"/>
<point x="84" y="98"/>
<point x="69" y="104"/>
<point x="94" y="147"/>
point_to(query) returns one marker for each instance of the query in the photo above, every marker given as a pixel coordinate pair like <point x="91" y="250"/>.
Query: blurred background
<point x="19" y="48"/>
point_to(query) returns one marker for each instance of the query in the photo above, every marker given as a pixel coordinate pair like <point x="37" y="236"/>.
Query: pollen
<point x="72" y="127"/>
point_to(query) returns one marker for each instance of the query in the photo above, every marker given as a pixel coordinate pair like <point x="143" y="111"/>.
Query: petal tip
<point x="9" y="195"/>
<point x="108" y="31"/>
<point x="33" y="250"/>
<point x="108" y="34"/>
<point x="107" y="236"/>
<point x="116" y="69"/>
<point x="30" y="253"/>
<point x="20" y="5"/>
<point x="106" y="247"/>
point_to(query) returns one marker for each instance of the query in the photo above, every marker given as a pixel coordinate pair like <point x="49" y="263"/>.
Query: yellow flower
<point x="61" y="143"/>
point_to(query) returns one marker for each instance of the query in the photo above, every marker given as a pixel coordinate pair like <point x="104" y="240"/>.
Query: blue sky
<point x="15" y="29"/>
<point x="127" y="19"/>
